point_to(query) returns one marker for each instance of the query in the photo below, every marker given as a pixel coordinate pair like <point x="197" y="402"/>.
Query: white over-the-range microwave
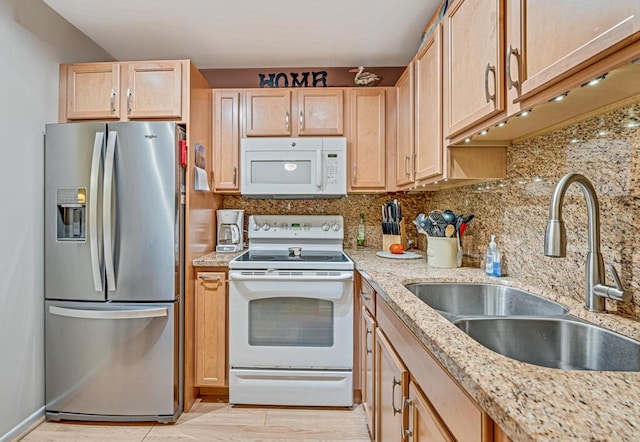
<point x="313" y="167"/>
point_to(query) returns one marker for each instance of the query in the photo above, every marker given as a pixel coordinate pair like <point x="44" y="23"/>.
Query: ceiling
<point x="254" y="33"/>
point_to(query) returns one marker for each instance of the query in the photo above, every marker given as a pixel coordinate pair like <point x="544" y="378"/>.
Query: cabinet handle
<point x="512" y="83"/>
<point x="366" y="343"/>
<point x="286" y="120"/>
<point x="407" y="165"/>
<point x="129" y="94"/>
<point x="408" y="432"/>
<point x="209" y="278"/>
<point x="301" y="120"/>
<point x="393" y="396"/>
<point x="486" y="82"/>
<point x="365" y="296"/>
<point x="354" y="176"/>
<point x="415" y="155"/>
<point x="235" y="175"/>
<point x="113" y="102"/>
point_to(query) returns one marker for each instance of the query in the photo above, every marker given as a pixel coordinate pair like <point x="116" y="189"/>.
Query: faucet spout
<point x="555" y="242"/>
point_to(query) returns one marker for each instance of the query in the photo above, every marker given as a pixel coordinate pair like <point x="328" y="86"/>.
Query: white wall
<point x="33" y="41"/>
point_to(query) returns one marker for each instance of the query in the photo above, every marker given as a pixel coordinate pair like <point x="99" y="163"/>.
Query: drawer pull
<point x="393" y="396"/>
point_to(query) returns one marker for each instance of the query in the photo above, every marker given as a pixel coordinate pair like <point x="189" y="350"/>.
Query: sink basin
<point x="455" y="301"/>
<point x="564" y="343"/>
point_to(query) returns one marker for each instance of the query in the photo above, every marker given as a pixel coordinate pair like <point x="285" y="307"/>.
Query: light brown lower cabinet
<point x="211" y="329"/>
<point x="410" y="395"/>
<point x="424" y="424"/>
<point x="367" y="369"/>
<point x="391" y="388"/>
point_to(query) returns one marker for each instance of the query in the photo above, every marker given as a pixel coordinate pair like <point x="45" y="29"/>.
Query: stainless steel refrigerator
<point x="114" y="271"/>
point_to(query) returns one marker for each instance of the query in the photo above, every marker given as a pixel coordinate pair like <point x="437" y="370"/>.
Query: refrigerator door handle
<point x="112" y="139"/>
<point x="93" y="211"/>
<point x="109" y="314"/>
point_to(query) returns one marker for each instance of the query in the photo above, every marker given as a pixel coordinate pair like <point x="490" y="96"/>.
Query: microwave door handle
<point x="94" y="249"/>
<point x="319" y="169"/>
<point x="107" y="208"/>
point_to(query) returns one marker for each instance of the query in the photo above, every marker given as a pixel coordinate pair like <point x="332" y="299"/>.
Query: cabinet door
<point x="211" y="329"/>
<point x="560" y="38"/>
<point x="428" y="108"/>
<point x="367" y="347"/>
<point x="268" y="112"/>
<point x="92" y="91"/>
<point x="424" y="424"/>
<point x="474" y="64"/>
<point x="391" y="389"/>
<point x="320" y="111"/>
<point x="367" y="139"/>
<point x="226" y="140"/>
<point x="154" y="90"/>
<point x="405" y="135"/>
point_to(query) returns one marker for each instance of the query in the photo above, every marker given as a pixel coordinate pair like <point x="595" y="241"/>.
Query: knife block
<point x="387" y="240"/>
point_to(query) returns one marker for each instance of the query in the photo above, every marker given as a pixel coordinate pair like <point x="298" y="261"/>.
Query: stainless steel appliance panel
<point x="73" y="157"/>
<point x="111" y="359"/>
<point x="142" y="237"/>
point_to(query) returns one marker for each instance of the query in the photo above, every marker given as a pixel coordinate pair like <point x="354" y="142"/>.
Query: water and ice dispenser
<point x="72" y="210"/>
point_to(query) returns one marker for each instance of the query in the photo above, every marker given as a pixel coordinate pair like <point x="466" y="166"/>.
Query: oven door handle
<point x="342" y="276"/>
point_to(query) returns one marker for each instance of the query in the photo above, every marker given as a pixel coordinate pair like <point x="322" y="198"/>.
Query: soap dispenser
<point x="493" y="259"/>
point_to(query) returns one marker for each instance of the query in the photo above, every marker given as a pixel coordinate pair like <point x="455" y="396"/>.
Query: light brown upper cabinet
<point x="226" y="140"/>
<point x="268" y="112"/>
<point x="367" y="146"/>
<point x="419" y="149"/>
<point x="92" y="91"/>
<point x="428" y="158"/>
<point x="124" y="91"/>
<point x="294" y="112"/>
<point x="320" y="111"/>
<point x="552" y="40"/>
<point x="154" y="89"/>
<point x="473" y="48"/>
<point x="404" y="146"/>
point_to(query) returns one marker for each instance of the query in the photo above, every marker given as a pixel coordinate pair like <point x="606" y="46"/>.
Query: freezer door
<point x="106" y="361"/>
<point x="73" y="241"/>
<point x="142" y="212"/>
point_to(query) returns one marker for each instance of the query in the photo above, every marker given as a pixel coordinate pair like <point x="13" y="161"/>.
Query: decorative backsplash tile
<point x="605" y="149"/>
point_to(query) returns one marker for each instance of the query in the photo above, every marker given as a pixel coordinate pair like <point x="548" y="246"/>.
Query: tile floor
<point x="212" y="421"/>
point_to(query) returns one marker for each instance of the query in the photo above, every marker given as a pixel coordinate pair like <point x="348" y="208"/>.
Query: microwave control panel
<point x="332" y="168"/>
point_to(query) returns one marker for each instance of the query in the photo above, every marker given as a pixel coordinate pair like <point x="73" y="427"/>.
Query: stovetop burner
<point x="285" y="256"/>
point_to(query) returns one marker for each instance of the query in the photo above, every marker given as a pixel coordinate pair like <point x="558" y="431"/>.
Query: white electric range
<point x="291" y="314"/>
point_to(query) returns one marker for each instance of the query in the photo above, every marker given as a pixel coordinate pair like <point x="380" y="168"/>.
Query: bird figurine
<point x="363" y="78"/>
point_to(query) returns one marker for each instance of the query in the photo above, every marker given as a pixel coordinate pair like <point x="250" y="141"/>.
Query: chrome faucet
<point x="555" y="243"/>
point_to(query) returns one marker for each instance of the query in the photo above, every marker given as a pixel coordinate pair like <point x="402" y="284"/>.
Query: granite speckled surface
<point x="216" y="259"/>
<point x="527" y="401"/>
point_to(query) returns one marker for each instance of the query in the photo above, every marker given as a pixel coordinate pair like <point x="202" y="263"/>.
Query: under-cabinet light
<point x="574" y="140"/>
<point x="559" y="97"/>
<point x="595" y="80"/>
<point x="501" y="124"/>
<point x="524" y="113"/>
<point x="484" y="132"/>
<point x="467" y="140"/>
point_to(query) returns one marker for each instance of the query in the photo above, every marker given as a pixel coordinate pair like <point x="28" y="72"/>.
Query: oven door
<point x="291" y="319"/>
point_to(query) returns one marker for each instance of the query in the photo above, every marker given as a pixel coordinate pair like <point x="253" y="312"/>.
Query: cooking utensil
<point x="449" y="216"/>
<point x="450" y="231"/>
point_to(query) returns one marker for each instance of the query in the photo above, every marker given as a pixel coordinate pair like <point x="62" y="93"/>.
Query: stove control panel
<point x="296" y="226"/>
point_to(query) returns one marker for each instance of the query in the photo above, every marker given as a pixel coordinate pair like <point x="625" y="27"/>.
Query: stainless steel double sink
<point x="528" y="328"/>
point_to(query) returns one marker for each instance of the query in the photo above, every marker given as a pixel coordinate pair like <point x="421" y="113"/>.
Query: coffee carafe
<point x="230" y="237"/>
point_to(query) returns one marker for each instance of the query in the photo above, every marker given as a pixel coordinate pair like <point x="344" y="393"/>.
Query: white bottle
<point x="489" y="258"/>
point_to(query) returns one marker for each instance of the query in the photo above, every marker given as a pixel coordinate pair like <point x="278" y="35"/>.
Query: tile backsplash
<point x="605" y="149"/>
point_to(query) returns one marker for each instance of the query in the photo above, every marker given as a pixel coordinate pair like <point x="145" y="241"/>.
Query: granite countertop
<point x="528" y="402"/>
<point x="216" y="259"/>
